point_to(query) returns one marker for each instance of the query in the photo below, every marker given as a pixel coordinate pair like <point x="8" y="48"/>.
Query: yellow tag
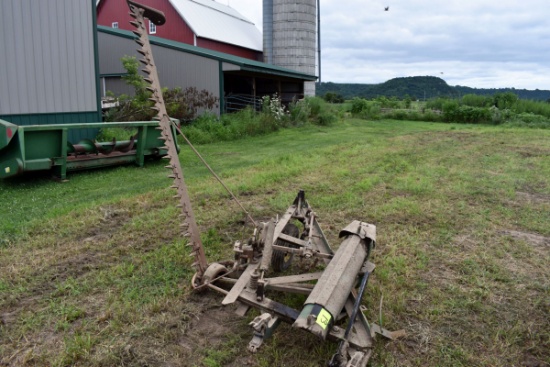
<point x="7" y="170"/>
<point x="323" y="318"/>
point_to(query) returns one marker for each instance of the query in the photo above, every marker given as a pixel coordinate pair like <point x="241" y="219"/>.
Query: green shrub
<point x="314" y="110"/>
<point x="333" y="97"/>
<point x="316" y="106"/>
<point x="431" y="116"/>
<point x="407" y="101"/>
<point x="368" y="110"/>
<point x="358" y="105"/>
<point x="299" y="112"/>
<point x="372" y="112"/>
<point x="183" y="104"/>
<point x="325" y="118"/>
<point x="436" y="103"/>
<point x="505" y="100"/>
<point x="386" y="102"/>
<point x="415" y="116"/>
<point x="197" y="136"/>
<point x="534" y="107"/>
<point x="117" y="133"/>
<point x="475" y="100"/>
<point x="530" y="120"/>
<point x="450" y="110"/>
<point x="398" y="115"/>
<point x="453" y="112"/>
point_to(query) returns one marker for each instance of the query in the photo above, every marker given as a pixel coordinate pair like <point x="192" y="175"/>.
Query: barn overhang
<point x="237" y="76"/>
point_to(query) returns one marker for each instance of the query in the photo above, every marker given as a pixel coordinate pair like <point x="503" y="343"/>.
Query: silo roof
<point x="215" y="21"/>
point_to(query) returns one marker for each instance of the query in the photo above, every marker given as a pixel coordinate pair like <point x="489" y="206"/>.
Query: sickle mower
<point x="261" y="269"/>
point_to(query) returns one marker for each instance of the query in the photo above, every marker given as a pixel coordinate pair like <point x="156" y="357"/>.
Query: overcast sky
<point x="475" y="43"/>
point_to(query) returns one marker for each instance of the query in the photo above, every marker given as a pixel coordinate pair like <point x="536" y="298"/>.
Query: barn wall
<point x="180" y="69"/>
<point x="229" y="49"/>
<point x="47" y="66"/>
<point x="175" y="28"/>
<point x="111" y="50"/>
<point x="175" y="68"/>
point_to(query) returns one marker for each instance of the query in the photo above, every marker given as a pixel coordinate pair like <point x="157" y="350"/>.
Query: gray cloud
<point x="481" y="43"/>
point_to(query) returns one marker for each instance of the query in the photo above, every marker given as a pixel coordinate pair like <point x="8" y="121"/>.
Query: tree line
<point x="418" y="88"/>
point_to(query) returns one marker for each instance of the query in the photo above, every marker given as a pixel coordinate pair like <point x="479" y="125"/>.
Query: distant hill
<point x="347" y="90"/>
<point x="420" y="87"/>
<point x="537" y="94"/>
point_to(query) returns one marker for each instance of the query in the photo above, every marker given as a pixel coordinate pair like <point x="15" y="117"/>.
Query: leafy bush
<point x="535" y="107"/>
<point x="117" y="133"/>
<point x="332" y="97"/>
<point x="498" y="109"/>
<point x="274" y="114"/>
<point x="407" y="101"/>
<point x="398" y="115"/>
<point x="208" y="128"/>
<point x="300" y="112"/>
<point x="316" y="106"/>
<point x="325" y="118"/>
<point x="475" y="100"/>
<point x="530" y="120"/>
<point x="373" y="111"/>
<point x="365" y="109"/>
<point x="314" y="110"/>
<point x="453" y="112"/>
<point x="358" y="105"/>
<point x="386" y="102"/>
<point x="505" y="100"/>
<point x="183" y="104"/>
<point x="431" y="116"/>
<point x="436" y="103"/>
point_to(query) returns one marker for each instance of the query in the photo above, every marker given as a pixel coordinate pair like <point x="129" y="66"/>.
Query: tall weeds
<point x="210" y="128"/>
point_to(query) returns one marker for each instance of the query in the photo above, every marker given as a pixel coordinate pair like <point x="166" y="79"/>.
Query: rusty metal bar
<point x="267" y="252"/>
<point x="241" y="284"/>
<point x="139" y="12"/>
<point x="294" y="278"/>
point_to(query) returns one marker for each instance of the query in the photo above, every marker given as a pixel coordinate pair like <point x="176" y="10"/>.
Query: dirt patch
<point x="531" y="238"/>
<point x="197" y="332"/>
<point x="420" y="337"/>
<point x="72" y="258"/>
<point x="211" y="326"/>
<point x="531" y="361"/>
<point x="532" y="198"/>
<point x="113" y="219"/>
<point x="533" y="152"/>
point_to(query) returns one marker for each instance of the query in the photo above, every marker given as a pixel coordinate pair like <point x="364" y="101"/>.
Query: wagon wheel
<point x="280" y="260"/>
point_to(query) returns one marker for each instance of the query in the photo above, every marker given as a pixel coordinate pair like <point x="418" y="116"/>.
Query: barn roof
<point x="243" y="63"/>
<point x="212" y="20"/>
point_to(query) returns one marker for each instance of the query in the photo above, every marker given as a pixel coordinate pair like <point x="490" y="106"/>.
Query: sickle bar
<point x="139" y="13"/>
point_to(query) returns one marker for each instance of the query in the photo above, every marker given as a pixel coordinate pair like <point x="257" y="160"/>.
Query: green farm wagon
<point x="47" y="148"/>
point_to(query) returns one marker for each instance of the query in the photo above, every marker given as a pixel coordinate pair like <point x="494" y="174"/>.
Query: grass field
<point x="93" y="271"/>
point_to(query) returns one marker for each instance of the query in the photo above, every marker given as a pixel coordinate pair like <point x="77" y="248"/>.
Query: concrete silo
<point x="290" y="36"/>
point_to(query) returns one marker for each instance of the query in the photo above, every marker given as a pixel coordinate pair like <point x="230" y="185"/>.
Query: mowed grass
<point x="93" y="271"/>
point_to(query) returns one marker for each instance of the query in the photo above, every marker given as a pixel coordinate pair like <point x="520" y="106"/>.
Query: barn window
<point x="152" y="28"/>
<point x="115" y="25"/>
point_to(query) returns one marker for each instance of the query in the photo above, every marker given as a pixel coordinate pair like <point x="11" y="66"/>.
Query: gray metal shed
<point x="183" y="65"/>
<point x="48" y="63"/>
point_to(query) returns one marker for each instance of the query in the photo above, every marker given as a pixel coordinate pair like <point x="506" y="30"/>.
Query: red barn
<point x="202" y="23"/>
